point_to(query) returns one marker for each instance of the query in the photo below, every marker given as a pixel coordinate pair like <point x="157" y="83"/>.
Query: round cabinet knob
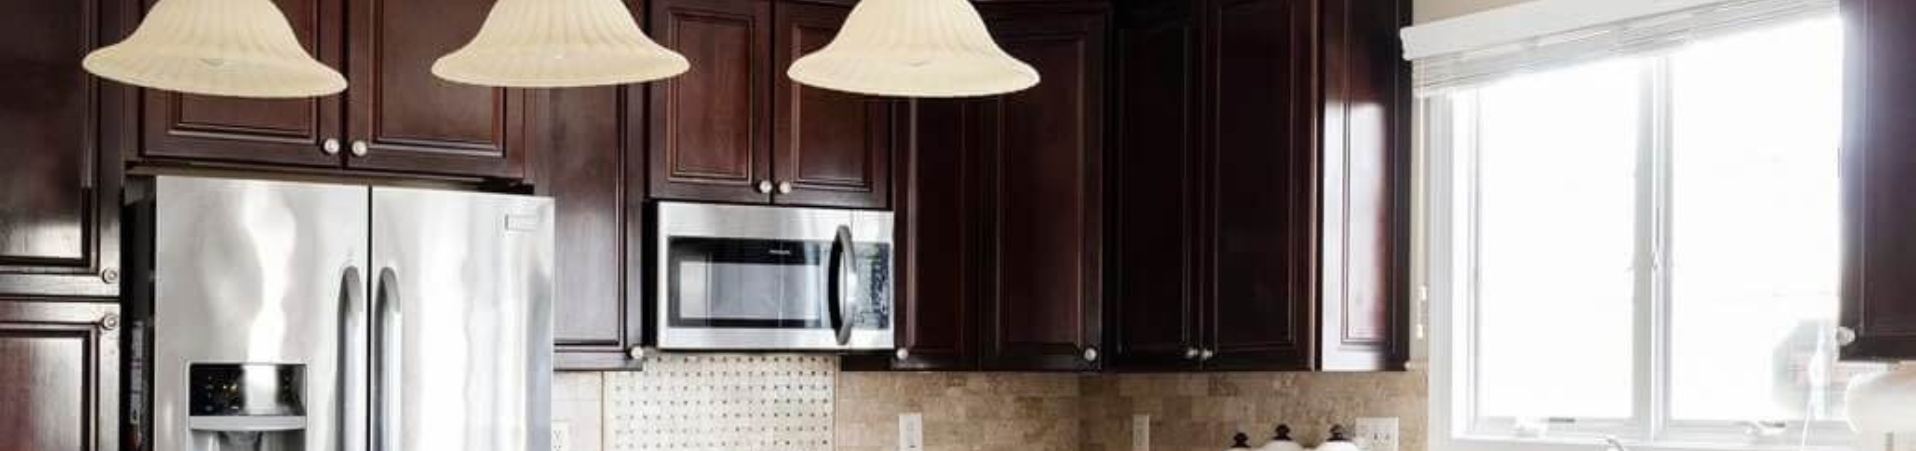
<point x="784" y="187"/>
<point x="360" y="148"/>
<point x="636" y="353"/>
<point x="1845" y="336"/>
<point x="764" y="186"/>
<point x="110" y="275"/>
<point x="1090" y="354"/>
<point x="1206" y="354"/>
<point x="331" y="146"/>
<point x="903" y="354"/>
<point x="1191" y="353"/>
<point x="110" y="322"/>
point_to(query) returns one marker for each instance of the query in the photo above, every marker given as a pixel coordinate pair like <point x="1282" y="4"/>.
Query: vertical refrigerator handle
<point x="351" y="380"/>
<point x="386" y="348"/>
<point x="837" y="296"/>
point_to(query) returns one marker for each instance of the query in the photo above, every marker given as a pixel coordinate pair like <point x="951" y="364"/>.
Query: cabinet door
<point x="59" y="188"/>
<point x="262" y="131"/>
<point x="1153" y="205"/>
<point x="1362" y="320"/>
<point x="1260" y="206"/>
<point x="593" y="171"/>
<point x="709" y="139"/>
<point x="832" y="148"/>
<point x="1879" y="173"/>
<point x="938" y="225"/>
<point x="1041" y="152"/>
<point x="412" y="121"/>
<point x="61" y="377"/>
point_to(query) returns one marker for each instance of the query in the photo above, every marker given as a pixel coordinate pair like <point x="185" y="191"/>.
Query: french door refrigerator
<point x="301" y="316"/>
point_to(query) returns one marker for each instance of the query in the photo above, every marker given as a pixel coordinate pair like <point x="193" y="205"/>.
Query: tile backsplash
<point x="1054" y="412"/>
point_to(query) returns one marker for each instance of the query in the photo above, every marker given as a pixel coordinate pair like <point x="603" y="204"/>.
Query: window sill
<point x="1489" y="443"/>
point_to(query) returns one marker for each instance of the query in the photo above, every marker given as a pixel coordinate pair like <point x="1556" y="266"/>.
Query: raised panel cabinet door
<point x="1153" y="202"/>
<point x="403" y="117"/>
<point x="60" y="381"/>
<point x="938" y="225"/>
<point x="1260" y="189"/>
<point x="60" y="187"/>
<point x="260" y="131"/>
<point x="1362" y="320"/>
<point x="709" y="139"/>
<point x="830" y="148"/>
<point x="1879" y="173"/>
<point x="1042" y="152"/>
<point x="586" y="166"/>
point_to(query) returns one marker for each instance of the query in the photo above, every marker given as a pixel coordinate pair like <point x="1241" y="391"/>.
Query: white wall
<point x="1429" y="10"/>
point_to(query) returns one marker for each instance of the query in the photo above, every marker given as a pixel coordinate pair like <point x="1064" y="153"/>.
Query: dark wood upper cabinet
<point x="830" y="148"/>
<point x="1041" y="150"/>
<point x="1879" y="173"/>
<point x="937" y="208"/>
<point x="595" y="175"/>
<point x="1153" y="201"/>
<point x="60" y="188"/>
<point x="709" y="136"/>
<point x="61" y="377"/>
<point x="263" y="131"/>
<point x="413" y="121"/>
<point x="1300" y="116"/>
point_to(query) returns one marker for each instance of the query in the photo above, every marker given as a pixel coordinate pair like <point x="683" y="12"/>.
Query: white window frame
<point x="1454" y="426"/>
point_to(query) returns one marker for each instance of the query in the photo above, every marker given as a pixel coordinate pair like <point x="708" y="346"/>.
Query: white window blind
<point x="1539" y="35"/>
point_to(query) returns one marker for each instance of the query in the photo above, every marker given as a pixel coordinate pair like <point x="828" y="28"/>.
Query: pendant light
<point x="1881" y="404"/>
<point x="239" y="48"/>
<point x="559" y="43"/>
<point x="914" y="48"/>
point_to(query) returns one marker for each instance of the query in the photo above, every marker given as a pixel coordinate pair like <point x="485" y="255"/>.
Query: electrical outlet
<point x="561" y="436"/>
<point x="1140" y="432"/>
<point x="1377" y="434"/>
<point x="911" y="432"/>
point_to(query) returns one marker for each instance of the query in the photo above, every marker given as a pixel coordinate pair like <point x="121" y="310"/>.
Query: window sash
<point x="1453" y="196"/>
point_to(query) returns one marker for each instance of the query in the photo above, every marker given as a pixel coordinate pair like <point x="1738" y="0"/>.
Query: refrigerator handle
<point x="351" y="380"/>
<point x="836" y="294"/>
<point x="386" y="349"/>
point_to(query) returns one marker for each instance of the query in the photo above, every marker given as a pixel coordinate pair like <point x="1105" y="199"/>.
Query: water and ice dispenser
<point x="246" y="407"/>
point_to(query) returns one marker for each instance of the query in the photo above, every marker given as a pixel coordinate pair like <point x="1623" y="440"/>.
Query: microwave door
<point x="745" y="293"/>
<point x="461" y="321"/>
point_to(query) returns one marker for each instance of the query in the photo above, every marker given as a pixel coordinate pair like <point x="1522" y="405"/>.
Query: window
<point x="1644" y="247"/>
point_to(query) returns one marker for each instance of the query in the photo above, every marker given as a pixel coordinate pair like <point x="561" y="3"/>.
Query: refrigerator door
<point x="259" y="286"/>
<point x="462" y="321"/>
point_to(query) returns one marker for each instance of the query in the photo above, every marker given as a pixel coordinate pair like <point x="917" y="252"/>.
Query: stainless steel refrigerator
<point x="304" y="316"/>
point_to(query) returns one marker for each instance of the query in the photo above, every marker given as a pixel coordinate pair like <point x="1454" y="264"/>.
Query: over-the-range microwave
<point x="735" y="277"/>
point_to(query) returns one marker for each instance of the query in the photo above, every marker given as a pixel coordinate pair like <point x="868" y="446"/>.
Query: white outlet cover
<point x="1377" y="434"/>
<point x="561" y="436"/>
<point x="1140" y="432"/>
<point x="911" y="432"/>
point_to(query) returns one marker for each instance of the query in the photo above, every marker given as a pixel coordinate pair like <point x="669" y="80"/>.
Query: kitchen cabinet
<point x="1879" y="217"/>
<point x="60" y="188"/>
<point x="1000" y="210"/>
<point x="60" y="382"/>
<point x="595" y="175"/>
<point x="1297" y="251"/>
<point x="735" y="129"/>
<point x="395" y="117"/>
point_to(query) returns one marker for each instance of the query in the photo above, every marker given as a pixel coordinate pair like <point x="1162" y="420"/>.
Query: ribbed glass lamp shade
<point x="914" y="48"/>
<point x="1885" y="402"/>
<point x="239" y="48"/>
<point x="559" y="43"/>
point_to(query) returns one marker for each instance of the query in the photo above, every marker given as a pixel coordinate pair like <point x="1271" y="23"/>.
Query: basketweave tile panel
<point x="722" y="402"/>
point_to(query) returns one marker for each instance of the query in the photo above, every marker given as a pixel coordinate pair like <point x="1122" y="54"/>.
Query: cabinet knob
<point x="784" y="187"/>
<point x="1191" y="353"/>
<point x="110" y="322"/>
<point x="1206" y="355"/>
<point x="110" y="275"/>
<point x="903" y="354"/>
<point x="636" y="353"/>
<point x="1090" y="354"/>
<point x="330" y="146"/>
<point x="1845" y="336"/>
<point x="360" y="148"/>
<point x="764" y="186"/>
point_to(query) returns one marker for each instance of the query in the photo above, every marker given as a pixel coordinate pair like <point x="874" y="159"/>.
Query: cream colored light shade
<point x="914" y="48"/>
<point x="1884" y="402"/>
<point x="239" y="48"/>
<point x="559" y="43"/>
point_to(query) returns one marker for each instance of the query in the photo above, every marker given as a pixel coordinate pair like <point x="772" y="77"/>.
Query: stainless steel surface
<point x="466" y="310"/>
<point x="1614" y="444"/>
<point x="763" y="186"/>
<point x="330" y="146"/>
<point x="840" y="277"/>
<point x="784" y="187"/>
<point x="359" y="148"/>
<point x="676" y="219"/>
<point x="249" y="272"/>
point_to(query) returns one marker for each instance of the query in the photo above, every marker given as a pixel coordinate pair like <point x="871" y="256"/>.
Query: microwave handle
<point x="836" y="295"/>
